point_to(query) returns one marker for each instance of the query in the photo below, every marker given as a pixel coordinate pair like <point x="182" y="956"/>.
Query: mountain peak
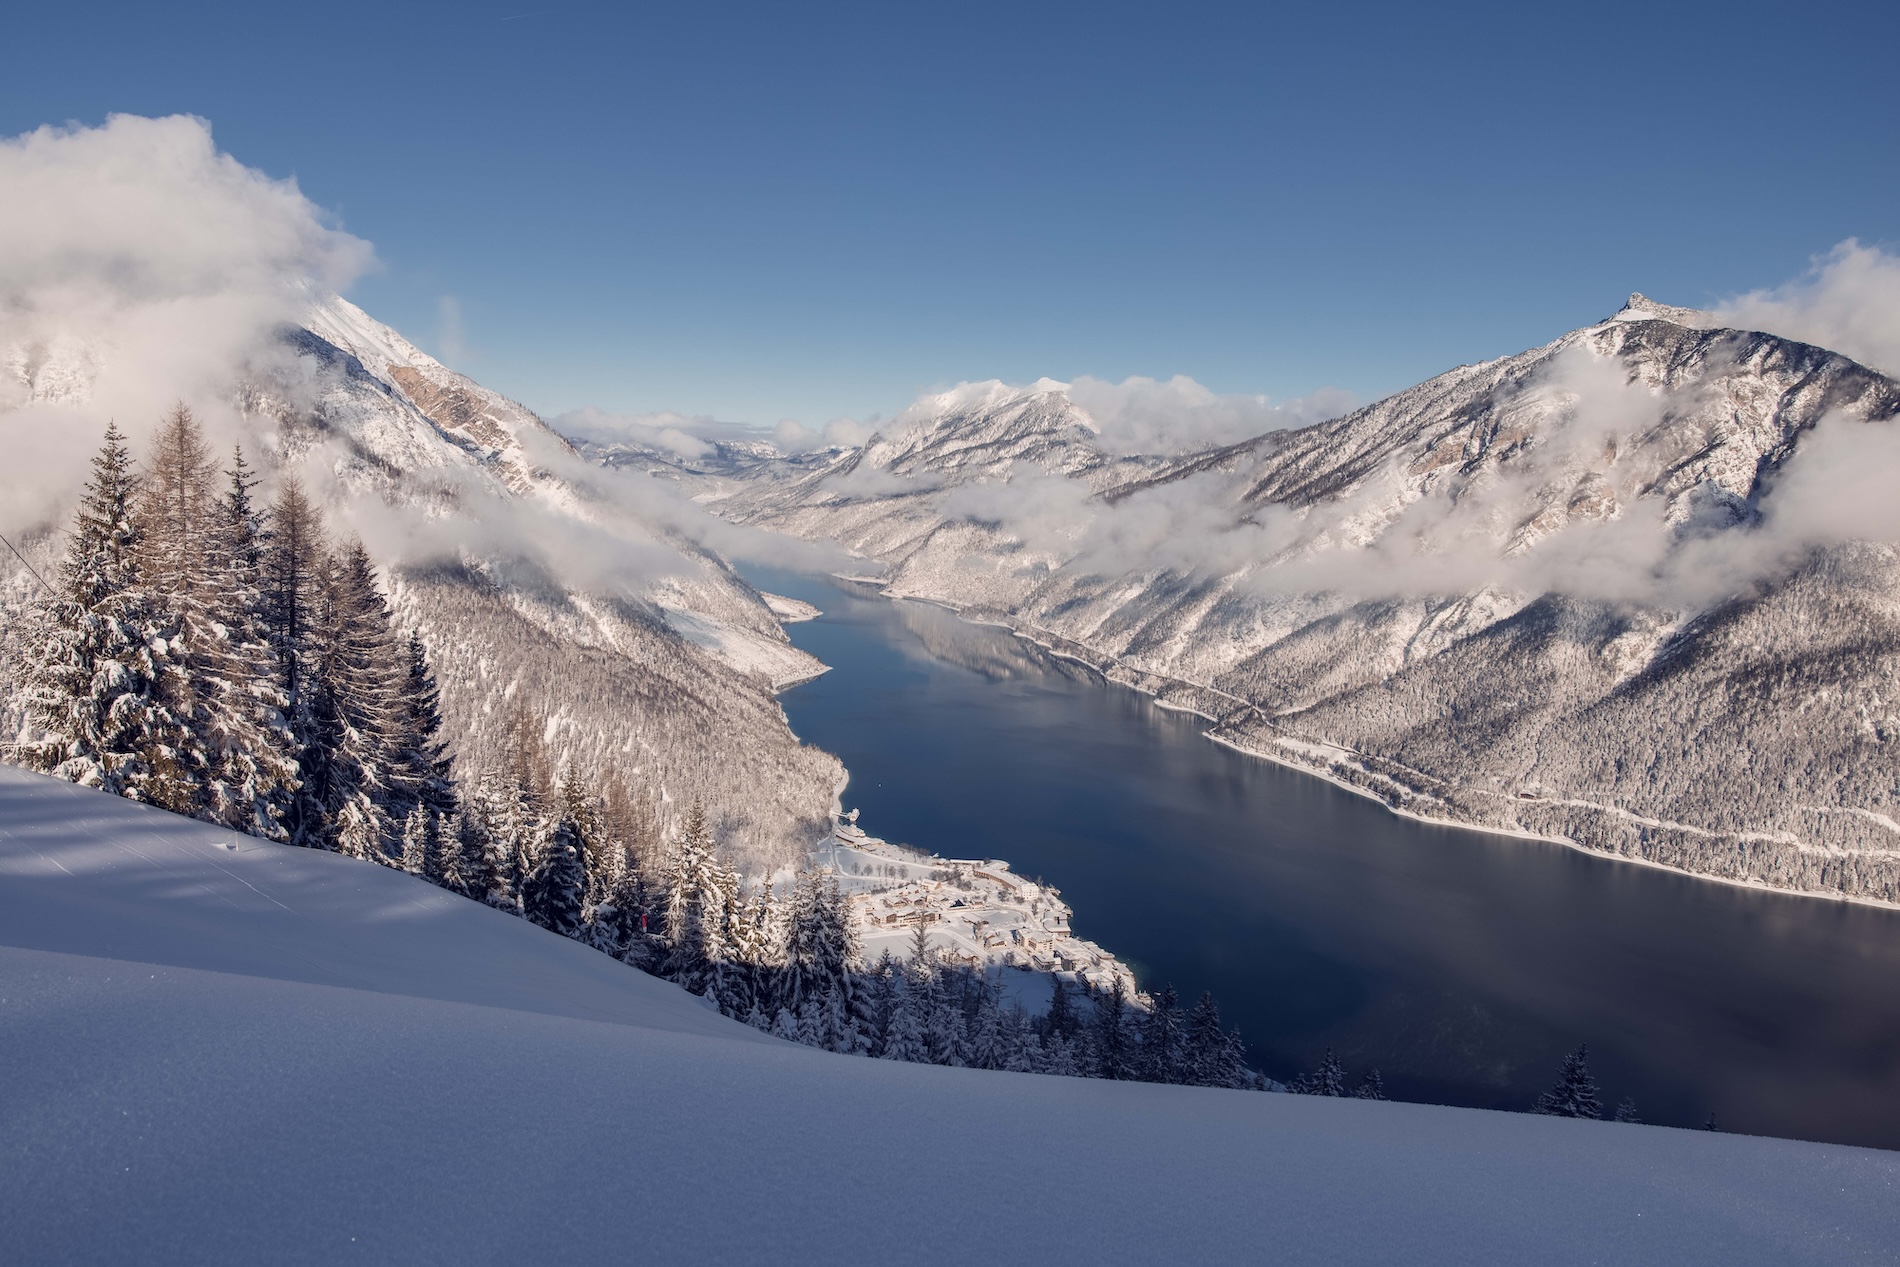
<point x="1642" y="308"/>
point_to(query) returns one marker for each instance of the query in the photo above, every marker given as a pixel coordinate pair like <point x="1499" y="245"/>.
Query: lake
<point x="1462" y="965"/>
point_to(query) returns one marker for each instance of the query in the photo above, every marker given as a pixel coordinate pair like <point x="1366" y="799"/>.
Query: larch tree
<point x="197" y="558"/>
<point x="293" y="563"/>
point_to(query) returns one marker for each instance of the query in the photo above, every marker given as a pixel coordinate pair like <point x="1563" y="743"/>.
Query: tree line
<point x="225" y="661"/>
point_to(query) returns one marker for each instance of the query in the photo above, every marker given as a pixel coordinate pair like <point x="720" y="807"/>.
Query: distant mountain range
<point x="1607" y="590"/>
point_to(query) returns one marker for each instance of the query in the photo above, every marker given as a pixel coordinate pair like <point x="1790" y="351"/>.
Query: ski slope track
<point x="216" y="1050"/>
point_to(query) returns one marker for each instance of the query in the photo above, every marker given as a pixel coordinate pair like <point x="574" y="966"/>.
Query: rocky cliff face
<point x="1568" y="592"/>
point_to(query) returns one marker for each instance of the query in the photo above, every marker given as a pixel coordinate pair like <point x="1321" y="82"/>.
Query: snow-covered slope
<point x="639" y="647"/>
<point x="1551" y="593"/>
<point x="273" y="1055"/>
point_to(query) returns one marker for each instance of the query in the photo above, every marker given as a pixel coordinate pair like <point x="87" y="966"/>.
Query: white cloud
<point x="678" y="434"/>
<point x="139" y="265"/>
<point x="451" y="335"/>
<point x="1848" y="302"/>
<point x="1146" y="415"/>
<point x="792" y="436"/>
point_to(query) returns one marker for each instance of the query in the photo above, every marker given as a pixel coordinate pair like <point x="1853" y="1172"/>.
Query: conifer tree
<point x="1061" y="1020"/>
<point x="100" y="688"/>
<point x="987" y="1036"/>
<point x="820" y="942"/>
<point x="1111" y="1025"/>
<point x="555" y="887"/>
<point x="1020" y="1048"/>
<point x="1163" y="1058"/>
<point x="943" y="1031"/>
<point x="470" y="865"/>
<point x="293" y="562"/>
<point x="1328" y="1079"/>
<point x="257" y="749"/>
<point x="360" y="713"/>
<point x="1575" y="1094"/>
<point x="882" y="997"/>
<point x="584" y="812"/>
<point x="696" y="893"/>
<point x="1207" y="1046"/>
<point x="1371" y="1087"/>
<point x="423" y="851"/>
<point x="176" y="531"/>
<point x="422" y="771"/>
<point x="785" y="1026"/>
<point x="1060" y="1059"/>
<point x="838" y="1032"/>
<point x="905" y="1040"/>
<point x="1626" y="1111"/>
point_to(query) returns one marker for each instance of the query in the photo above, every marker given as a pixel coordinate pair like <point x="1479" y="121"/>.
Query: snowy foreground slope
<point x="271" y="1055"/>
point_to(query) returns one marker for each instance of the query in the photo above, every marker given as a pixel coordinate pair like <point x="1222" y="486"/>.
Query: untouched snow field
<point x="272" y="1055"/>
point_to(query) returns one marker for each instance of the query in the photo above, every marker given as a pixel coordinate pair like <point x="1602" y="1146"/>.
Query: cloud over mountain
<point x="1848" y="302"/>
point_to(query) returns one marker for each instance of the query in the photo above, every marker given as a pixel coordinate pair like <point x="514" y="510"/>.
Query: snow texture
<point x="264" y="1054"/>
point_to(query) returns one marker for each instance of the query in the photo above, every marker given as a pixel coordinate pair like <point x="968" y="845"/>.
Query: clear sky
<point x="766" y="211"/>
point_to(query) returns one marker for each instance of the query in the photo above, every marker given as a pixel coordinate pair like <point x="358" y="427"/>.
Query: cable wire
<point x="28" y="566"/>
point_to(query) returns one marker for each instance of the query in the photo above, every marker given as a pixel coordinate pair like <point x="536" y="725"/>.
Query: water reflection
<point x="1462" y="964"/>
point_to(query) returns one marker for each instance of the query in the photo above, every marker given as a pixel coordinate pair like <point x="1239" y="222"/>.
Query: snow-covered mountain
<point x="1631" y="589"/>
<point x="528" y="577"/>
<point x="219" y="1050"/>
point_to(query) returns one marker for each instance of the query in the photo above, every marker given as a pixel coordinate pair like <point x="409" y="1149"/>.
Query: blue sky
<point x="759" y="212"/>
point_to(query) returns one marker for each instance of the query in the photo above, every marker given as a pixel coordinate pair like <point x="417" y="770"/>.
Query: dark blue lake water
<point x="1462" y="965"/>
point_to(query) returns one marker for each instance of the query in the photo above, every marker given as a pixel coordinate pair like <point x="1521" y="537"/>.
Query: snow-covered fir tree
<point x="1575" y="1093"/>
<point x="1210" y="1056"/>
<point x="255" y="746"/>
<point x="422" y="771"/>
<point x="471" y="865"/>
<point x="100" y="692"/>
<point x="1113" y="1057"/>
<point x="1163" y="1042"/>
<point x="423" y="848"/>
<point x="1328" y="1079"/>
<point x="359" y="711"/>
<point x="554" y="891"/>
